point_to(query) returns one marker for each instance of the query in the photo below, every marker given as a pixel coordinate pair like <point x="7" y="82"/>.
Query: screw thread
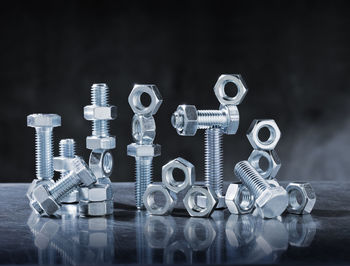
<point x="64" y="186"/>
<point x="44" y="152"/>
<point x="67" y="149"/>
<point x="214" y="160"/>
<point x="251" y="178"/>
<point x="143" y="178"/>
<point x="100" y="97"/>
<point x="211" y="118"/>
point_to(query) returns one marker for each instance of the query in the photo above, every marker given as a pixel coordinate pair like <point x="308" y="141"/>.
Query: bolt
<point x="99" y="97"/>
<point x="143" y="173"/>
<point x="270" y="201"/>
<point x="44" y="124"/>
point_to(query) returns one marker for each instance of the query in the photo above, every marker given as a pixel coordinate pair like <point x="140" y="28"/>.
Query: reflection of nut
<point x="185" y="120"/>
<point x="192" y="207"/>
<point x="253" y="134"/>
<point x="238" y="199"/>
<point x="46" y="234"/>
<point x="221" y="95"/>
<point x="199" y="233"/>
<point x="274" y="163"/>
<point x="143" y="129"/>
<point x="275" y="234"/>
<point x="159" y="230"/>
<point x="100" y="208"/>
<point x="168" y="178"/>
<point x="240" y="229"/>
<point x="135" y="99"/>
<point x="93" y="112"/>
<point x="301" y="229"/>
<point x="232" y="114"/>
<point x="302" y="197"/>
<point x="150" y="201"/>
<point x="62" y="164"/>
<point x="138" y="150"/>
<point x="100" y="143"/>
<point x="101" y="163"/>
<point x="174" y="248"/>
<point x="98" y="192"/>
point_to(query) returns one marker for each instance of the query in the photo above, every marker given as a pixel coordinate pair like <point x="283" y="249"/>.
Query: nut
<point x="272" y="202"/>
<point x="101" y="163"/>
<point x="93" y="112"/>
<point x="238" y="199"/>
<point x="137" y="150"/>
<point x="43" y="198"/>
<point x="98" y="192"/>
<point x="143" y="129"/>
<point x="253" y="134"/>
<point x="43" y="120"/>
<point x="168" y="178"/>
<point x="199" y="233"/>
<point x="135" y="99"/>
<point x="193" y="208"/>
<point x="62" y="164"/>
<point x="219" y="89"/>
<point x="233" y="121"/>
<point x="35" y="183"/>
<point x="185" y="120"/>
<point x="82" y="170"/>
<point x="274" y="163"/>
<point x="150" y="202"/>
<point x="72" y="197"/>
<point x="100" y="143"/>
<point x="273" y="182"/>
<point x="100" y="208"/>
<point x="302" y="197"/>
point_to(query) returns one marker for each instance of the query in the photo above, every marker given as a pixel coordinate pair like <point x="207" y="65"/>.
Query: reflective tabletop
<point x="134" y="237"/>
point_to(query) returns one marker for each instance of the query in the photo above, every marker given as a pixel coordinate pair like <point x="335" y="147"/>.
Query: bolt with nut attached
<point x="143" y="133"/>
<point x="187" y="120"/>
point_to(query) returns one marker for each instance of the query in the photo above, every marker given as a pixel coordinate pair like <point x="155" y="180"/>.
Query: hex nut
<point x="302" y="197"/>
<point x="232" y="113"/>
<point x="72" y="197"/>
<point x="253" y="134"/>
<point x="168" y="179"/>
<point x="143" y="129"/>
<point x="93" y="112"/>
<point x="238" y="199"/>
<point x="100" y="208"/>
<point x="82" y="170"/>
<point x="272" y="202"/>
<point x="185" y="120"/>
<point x="101" y="163"/>
<point x="191" y="205"/>
<point x="274" y="163"/>
<point x="199" y="233"/>
<point x="97" y="192"/>
<point x="135" y="99"/>
<point x="43" y="198"/>
<point x="138" y="150"/>
<point x="43" y="120"/>
<point x="35" y="183"/>
<point x="219" y="89"/>
<point x="62" y="164"/>
<point x="149" y="200"/>
<point x="100" y="143"/>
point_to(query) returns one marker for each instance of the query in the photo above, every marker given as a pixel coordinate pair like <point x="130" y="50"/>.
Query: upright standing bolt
<point x="99" y="97"/>
<point x="270" y="201"/>
<point x="187" y="119"/>
<point x="43" y="124"/>
<point x="143" y="133"/>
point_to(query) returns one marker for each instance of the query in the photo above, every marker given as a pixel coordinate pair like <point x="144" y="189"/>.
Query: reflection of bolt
<point x="301" y="229"/>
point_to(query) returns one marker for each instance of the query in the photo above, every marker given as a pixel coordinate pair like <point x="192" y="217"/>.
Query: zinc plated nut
<point x="191" y="205"/>
<point x="149" y="200"/>
<point x="168" y="179"/>
<point x="219" y="89"/>
<point x="302" y="198"/>
<point x="253" y="134"/>
<point x="135" y="99"/>
<point x="96" y="208"/>
<point x="101" y="163"/>
<point x="97" y="192"/>
<point x="274" y="163"/>
<point x="143" y="129"/>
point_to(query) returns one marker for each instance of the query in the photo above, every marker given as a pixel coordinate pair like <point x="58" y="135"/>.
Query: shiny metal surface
<point x="133" y="237"/>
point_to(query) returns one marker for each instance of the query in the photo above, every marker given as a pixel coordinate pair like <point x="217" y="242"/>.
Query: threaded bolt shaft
<point x="67" y="150"/>
<point x="214" y="160"/>
<point x="143" y="178"/>
<point x="44" y="152"/>
<point x="251" y="178"/>
<point x="99" y="97"/>
<point x="64" y="186"/>
<point x="211" y="118"/>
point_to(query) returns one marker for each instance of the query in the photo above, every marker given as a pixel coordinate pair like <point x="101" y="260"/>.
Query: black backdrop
<point x="294" y="57"/>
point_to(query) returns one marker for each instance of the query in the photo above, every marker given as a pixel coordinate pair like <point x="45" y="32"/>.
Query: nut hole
<point x="107" y="163"/>
<point x="193" y="202"/>
<point x="145" y="100"/>
<point x="200" y="231"/>
<point x="296" y="199"/>
<point x="230" y="90"/>
<point x="178" y="177"/>
<point x="266" y="135"/>
<point x="156" y="200"/>
<point x="140" y="101"/>
<point x="264" y="164"/>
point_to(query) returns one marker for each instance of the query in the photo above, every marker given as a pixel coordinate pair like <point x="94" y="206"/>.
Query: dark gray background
<point x="294" y="57"/>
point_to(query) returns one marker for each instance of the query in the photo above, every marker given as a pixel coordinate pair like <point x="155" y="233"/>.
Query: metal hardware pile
<point x="258" y="191"/>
